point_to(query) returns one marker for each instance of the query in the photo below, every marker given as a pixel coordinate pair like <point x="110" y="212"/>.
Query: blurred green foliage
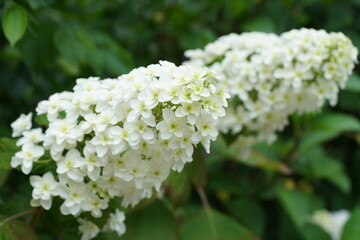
<point x="47" y="44"/>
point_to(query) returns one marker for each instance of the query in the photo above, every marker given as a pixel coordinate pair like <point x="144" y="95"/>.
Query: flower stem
<point x="35" y="217"/>
<point x="24" y="213"/>
<point x="208" y="212"/>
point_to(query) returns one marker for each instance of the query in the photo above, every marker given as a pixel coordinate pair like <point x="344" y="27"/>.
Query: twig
<point x="17" y="216"/>
<point x="35" y="217"/>
<point x="208" y="212"/>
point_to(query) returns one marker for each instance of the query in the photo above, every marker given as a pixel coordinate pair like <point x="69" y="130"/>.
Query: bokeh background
<point x="68" y="39"/>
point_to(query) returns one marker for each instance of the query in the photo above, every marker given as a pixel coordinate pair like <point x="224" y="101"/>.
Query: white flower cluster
<point x="332" y="222"/>
<point x="119" y="137"/>
<point x="270" y="77"/>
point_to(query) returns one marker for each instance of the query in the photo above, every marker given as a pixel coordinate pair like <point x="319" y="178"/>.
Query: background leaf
<point x="153" y="222"/>
<point x="351" y="230"/>
<point x="249" y="213"/>
<point x="353" y="84"/>
<point x="14" y="23"/>
<point x="314" y="232"/>
<point x="296" y="204"/>
<point x="16" y="230"/>
<point x="8" y="149"/>
<point x="225" y="228"/>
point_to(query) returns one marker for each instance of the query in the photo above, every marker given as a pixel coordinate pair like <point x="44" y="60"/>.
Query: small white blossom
<point x="29" y="153"/>
<point x="87" y="229"/>
<point x="33" y="136"/>
<point x="116" y="223"/>
<point x="21" y="124"/>
<point x="45" y="188"/>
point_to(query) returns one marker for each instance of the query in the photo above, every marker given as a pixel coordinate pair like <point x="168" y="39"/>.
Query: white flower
<point x="45" y="188"/>
<point x="140" y="129"/>
<point x="21" y="124"/>
<point x="64" y="131"/>
<point x="33" y="136"/>
<point x="332" y="222"/>
<point x="138" y="108"/>
<point x="54" y="105"/>
<point x="70" y="165"/>
<point x="190" y="110"/>
<point x="105" y="119"/>
<point x="94" y="205"/>
<point x="29" y="153"/>
<point x="116" y="223"/>
<point x="75" y="195"/>
<point x="266" y="74"/>
<point x="120" y="138"/>
<point x="171" y="94"/>
<point x="87" y="229"/>
<point x="171" y="125"/>
<point x="206" y="128"/>
<point x="92" y="162"/>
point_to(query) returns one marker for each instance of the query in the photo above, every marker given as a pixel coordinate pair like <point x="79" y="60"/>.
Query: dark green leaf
<point x="318" y="165"/>
<point x="351" y="230"/>
<point x="313" y="138"/>
<point x="212" y="225"/>
<point x="326" y="127"/>
<point x="3" y="176"/>
<point x="296" y="204"/>
<point x="198" y="170"/>
<point x="179" y="187"/>
<point x="336" y="122"/>
<point x="260" y="24"/>
<point x="249" y="213"/>
<point x="314" y="232"/>
<point x="8" y="149"/>
<point x="153" y="222"/>
<point x="71" y="50"/>
<point x="353" y="84"/>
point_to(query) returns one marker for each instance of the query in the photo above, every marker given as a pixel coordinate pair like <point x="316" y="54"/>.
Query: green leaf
<point x="16" y="230"/>
<point x="153" y="222"/>
<point x="319" y="165"/>
<point x="261" y="161"/>
<point x="258" y="159"/>
<point x="353" y="84"/>
<point x="198" y="170"/>
<point x="14" y="23"/>
<point x="313" y="138"/>
<point x="179" y="187"/>
<point x="71" y="50"/>
<point x="336" y="122"/>
<point x="8" y="149"/>
<point x="351" y="230"/>
<point x="312" y="232"/>
<point x="249" y="213"/>
<point x="40" y="37"/>
<point x="296" y="204"/>
<point x="212" y="225"/>
<point x="326" y="127"/>
<point x="41" y="120"/>
<point x="3" y="176"/>
<point x="260" y="24"/>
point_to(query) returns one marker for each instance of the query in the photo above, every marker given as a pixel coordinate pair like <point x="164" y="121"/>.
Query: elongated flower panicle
<point x="270" y="77"/>
<point x="119" y="138"/>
